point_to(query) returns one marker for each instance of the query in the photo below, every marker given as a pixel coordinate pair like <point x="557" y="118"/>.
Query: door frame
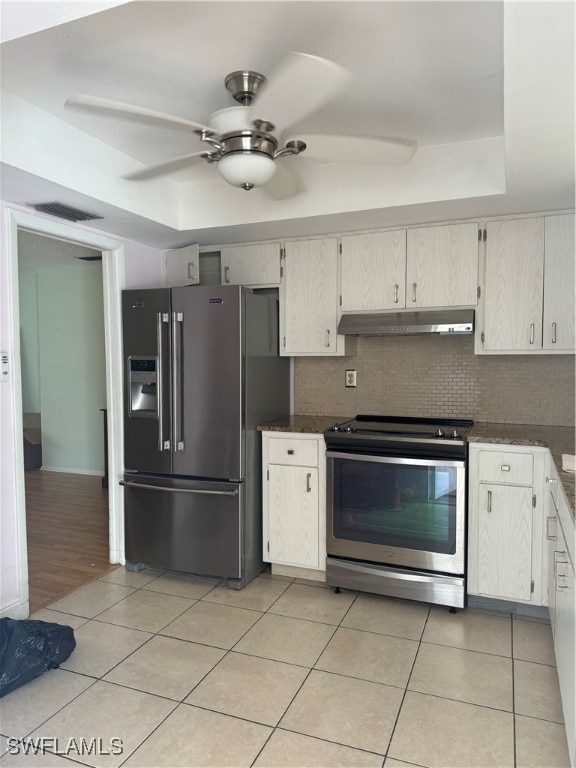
<point x="113" y="281"/>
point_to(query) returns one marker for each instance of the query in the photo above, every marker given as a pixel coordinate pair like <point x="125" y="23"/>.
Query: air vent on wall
<point x="64" y="211"/>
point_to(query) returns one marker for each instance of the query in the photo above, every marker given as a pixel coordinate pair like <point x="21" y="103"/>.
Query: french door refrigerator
<point x="201" y="371"/>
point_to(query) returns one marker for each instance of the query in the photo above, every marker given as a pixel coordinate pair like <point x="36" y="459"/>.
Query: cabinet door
<point x="251" y="264"/>
<point x="373" y="271"/>
<point x="513" y="288"/>
<point x="504" y="552"/>
<point x="442" y="266"/>
<point x="309" y="316"/>
<point x="182" y="266"/>
<point x="293" y="515"/>
<point x="559" y="295"/>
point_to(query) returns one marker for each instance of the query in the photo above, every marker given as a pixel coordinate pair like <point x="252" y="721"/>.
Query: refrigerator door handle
<point x="161" y="317"/>
<point x="177" y="490"/>
<point x="177" y="321"/>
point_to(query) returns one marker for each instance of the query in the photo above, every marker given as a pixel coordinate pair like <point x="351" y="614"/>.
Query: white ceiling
<point x="40" y="252"/>
<point x="433" y="72"/>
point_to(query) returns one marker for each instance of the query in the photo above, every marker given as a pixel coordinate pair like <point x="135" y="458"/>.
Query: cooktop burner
<point x="402" y="429"/>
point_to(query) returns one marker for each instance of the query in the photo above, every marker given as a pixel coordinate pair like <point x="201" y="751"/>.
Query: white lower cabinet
<point x="562" y="605"/>
<point x="294" y="499"/>
<point x="505" y="519"/>
<point x="504" y="544"/>
<point x="522" y="547"/>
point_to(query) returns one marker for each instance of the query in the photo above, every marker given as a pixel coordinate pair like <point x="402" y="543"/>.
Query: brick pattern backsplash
<point x="438" y="376"/>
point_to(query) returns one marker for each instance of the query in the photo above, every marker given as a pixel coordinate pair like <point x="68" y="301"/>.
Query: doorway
<point x="15" y="597"/>
<point x="63" y="378"/>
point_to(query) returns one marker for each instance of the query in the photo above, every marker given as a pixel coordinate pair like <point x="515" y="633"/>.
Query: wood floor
<point x="67" y="532"/>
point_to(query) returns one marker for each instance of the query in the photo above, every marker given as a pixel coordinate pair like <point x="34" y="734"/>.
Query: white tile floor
<point x="175" y="671"/>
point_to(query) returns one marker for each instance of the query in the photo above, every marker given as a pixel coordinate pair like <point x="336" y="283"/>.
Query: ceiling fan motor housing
<point x="244" y="85"/>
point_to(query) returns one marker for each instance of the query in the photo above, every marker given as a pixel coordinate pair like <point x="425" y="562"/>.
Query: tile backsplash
<point x="438" y="376"/>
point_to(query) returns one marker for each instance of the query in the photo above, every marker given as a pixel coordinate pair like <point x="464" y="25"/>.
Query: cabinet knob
<point x="505" y="467"/>
<point x="291" y="451"/>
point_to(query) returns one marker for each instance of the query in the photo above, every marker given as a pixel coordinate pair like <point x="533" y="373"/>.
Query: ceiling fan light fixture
<point x="246" y="169"/>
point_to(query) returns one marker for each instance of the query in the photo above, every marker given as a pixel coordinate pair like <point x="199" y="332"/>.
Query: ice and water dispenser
<point x="142" y="377"/>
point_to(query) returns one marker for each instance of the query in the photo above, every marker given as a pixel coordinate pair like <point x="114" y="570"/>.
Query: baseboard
<point x="299" y="573"/>
<point x="521" y="609"/>
<point x="16" y="610"/>
<point x="68" y="471"/>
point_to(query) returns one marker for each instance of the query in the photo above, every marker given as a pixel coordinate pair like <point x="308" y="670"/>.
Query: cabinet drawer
<point x="502" y="467"/>
<point x="302" y="453"/>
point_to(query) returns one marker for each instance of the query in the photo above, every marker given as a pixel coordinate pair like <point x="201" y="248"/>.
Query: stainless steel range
<point x="396" y="507"/>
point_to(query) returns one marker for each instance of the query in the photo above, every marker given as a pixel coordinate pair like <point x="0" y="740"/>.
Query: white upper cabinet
<point x="373" y="271"/>
<point x="529" y="290"/>
<point x="182" y="266"/>
<point x="253" y="265"/>
<point x="513" y="285"/>
<point x="309" y="311"/>
<point x="442" y="266"/>
<point x="558" y="329"/>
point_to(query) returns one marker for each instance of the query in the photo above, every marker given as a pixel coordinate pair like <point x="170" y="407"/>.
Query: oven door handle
<point x="374" y="457"/>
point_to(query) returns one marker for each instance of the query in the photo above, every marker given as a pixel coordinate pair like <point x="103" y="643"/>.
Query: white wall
<point x="144" y="267"/>
<point x="72" y="367"/>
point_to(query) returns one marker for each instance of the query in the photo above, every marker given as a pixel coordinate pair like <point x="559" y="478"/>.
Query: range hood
<point x="445" y="321"/>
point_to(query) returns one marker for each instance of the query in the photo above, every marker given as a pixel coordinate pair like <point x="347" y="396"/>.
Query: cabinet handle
<point x="489" y="501"/>
<point x="553" y="333"/>
<point x="505" y="467"/>
<point x="291" y="451"/>
<point x="549" y="535"/>
<point x="308" y="478"/>
<point x="531" y="333"/>
<point x="327" y="338"/>
<point x="551" y="480"/>
<point x="559" y="576"/>
<point x="414" y="286"/>
<point x="226" y="274"/>
<point x="396" y="293"/>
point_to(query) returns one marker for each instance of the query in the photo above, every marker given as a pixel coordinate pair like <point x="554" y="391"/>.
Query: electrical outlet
<point x="350" y="380"/>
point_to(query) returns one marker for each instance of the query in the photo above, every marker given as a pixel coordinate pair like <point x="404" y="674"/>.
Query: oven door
<point x="404" y="512"/>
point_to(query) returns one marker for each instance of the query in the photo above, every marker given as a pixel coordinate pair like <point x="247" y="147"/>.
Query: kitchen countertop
<point x="303" y="424"/>
<point x="558" y="440"/>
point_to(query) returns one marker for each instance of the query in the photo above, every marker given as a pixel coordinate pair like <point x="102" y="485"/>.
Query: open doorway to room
<point x="63" y="370"/>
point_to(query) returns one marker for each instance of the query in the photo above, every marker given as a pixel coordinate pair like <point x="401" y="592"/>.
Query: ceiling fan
<point x="243" y="140"/>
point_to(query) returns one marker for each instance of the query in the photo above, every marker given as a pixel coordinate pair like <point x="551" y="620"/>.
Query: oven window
<point x="396" y="505"/>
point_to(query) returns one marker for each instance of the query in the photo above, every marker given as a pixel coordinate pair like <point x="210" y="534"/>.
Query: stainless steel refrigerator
<point x="201" y="370"/>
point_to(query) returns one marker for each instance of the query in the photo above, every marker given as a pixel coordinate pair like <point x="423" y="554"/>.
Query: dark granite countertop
<point x="558" y="440"/>
<point x="303" y="424"/>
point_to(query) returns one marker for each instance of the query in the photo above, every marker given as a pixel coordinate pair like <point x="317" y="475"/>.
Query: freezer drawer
<point x="184" y="525"/>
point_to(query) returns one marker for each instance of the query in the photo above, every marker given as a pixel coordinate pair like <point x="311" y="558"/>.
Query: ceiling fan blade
<point x="110" y="107"/>
<point x="165" y="168"/>
<point x="300" y="85"/>
<point x="285" y="183"/>
<point x="369" y="150"/>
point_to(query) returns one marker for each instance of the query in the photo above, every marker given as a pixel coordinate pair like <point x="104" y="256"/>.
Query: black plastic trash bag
<point x="28" y="648"/>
